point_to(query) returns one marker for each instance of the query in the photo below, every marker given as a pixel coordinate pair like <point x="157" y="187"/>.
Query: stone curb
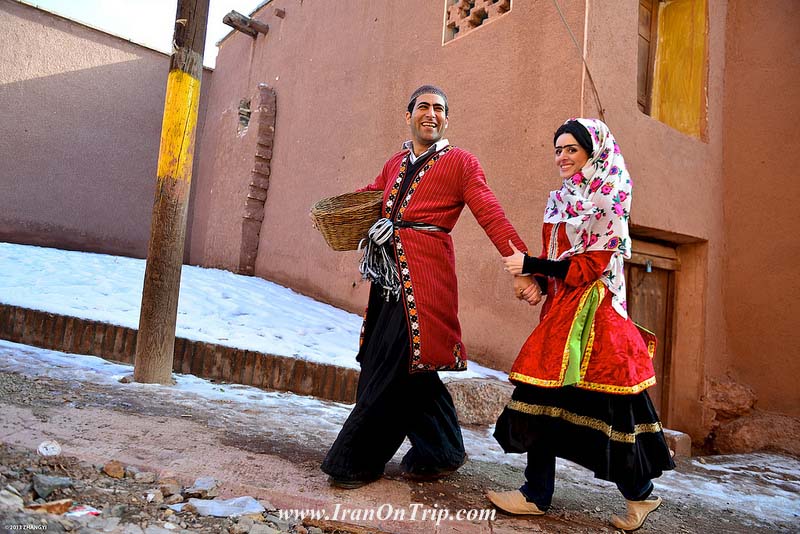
<point x="206" y="360"/>
<point x="478" y="401"/>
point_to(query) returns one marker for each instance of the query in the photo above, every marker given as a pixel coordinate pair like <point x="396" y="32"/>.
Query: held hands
<point x="524" y="286"/>
<point x="513" y="263"/>
<point x="526" y="289"/>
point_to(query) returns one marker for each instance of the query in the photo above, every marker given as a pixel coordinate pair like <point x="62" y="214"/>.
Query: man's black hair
<point x="425" y="89"/>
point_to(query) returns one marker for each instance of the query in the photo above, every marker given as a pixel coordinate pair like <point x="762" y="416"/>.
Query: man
<point x="411" y="328"/>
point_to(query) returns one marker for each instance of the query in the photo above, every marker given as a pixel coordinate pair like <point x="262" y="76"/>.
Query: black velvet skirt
<point x="618" y="437"/>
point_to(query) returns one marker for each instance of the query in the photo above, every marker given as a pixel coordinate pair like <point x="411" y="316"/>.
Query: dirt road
<point x="260" y="455"/>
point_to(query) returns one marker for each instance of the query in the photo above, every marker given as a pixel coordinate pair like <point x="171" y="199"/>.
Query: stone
<point x="203" y="487"/>
<point x="728" y="398"/>
<point x="53" y="507"/>
<point x="131" y="471"/>
<point x="146" y="477"/>
<point x="479" y="401"/>
<point x="117" y="510"/>
<point x="104" y="524"/>
<point x="44" y="485"/>
<point x="263" y="529"/>
<point x="169" y="486"/>
<point x="281" y="524"/>
<point x="154" y="496"/>
<point x="174" y="499"/>
<point x="678" y="442"/>
<point x="759" y="431"/>
<point x="10" y="501"/>
<point x="114" y="469"/>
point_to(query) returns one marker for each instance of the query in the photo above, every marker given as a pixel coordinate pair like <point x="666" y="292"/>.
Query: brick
<point x="85" y="331"/>
<point x="226" y="369"/>
<point x="29" y="328"/>
<point x="259" y="180"/>
<point x="177" y="354"/>
<point x="324" y="382"/>
<point x="237" y="369"/>
<point x="214" y="363"/>
<point x="131" y="339"/>
<point x="262" y="167"/>
<point x="253" y="209"/>
<point x="118" y="346"/>
<point x="263" y="152"/>
<point x="5" y="314"/>
<point x="259" y="378"/>
<point x="338" y="384"/>
<point x="248" y="367"/>
<point x="200" y="351"/>
<point x="99" y="336"/>
<point x="257" y="193"/>
<point x="301" y="383"/>
<point x="265" y="139"/>
<point x="189" y="350"/>
<point x="109" y="334"/>
<point x="351" y="387"/>
<point x="58" y="332"/>
<point x="69" y="334"/>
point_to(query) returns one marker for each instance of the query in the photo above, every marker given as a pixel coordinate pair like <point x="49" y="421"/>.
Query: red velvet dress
<point x="608" y="351"/>
<point x="581" y="385"/>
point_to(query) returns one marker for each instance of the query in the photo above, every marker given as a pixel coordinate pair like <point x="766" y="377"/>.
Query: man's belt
<point x="420" y="226"/>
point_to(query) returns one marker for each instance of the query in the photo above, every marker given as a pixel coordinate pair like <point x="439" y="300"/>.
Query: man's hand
<point x="513" y="263"/>
<point x="526" y="289"/>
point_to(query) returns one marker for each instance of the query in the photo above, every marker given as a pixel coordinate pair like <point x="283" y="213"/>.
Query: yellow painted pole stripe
<point x="178" y="127"/>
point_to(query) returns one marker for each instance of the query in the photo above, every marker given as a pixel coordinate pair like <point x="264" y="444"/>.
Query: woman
<point x="581" y="376"/>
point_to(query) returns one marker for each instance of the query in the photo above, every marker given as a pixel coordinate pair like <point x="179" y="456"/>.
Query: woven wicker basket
<point x="345" y="219"/>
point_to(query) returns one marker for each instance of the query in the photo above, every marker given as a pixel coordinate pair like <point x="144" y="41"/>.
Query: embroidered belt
<point x="421" y="226"/>
<point x="376" y="264"/>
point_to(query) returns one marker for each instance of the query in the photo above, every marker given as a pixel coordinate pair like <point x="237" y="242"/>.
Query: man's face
<point x="427" y="119"/>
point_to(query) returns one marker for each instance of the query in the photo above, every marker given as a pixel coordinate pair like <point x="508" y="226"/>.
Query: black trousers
<point x="392" y="404"/>
<point x="540" y="477"/>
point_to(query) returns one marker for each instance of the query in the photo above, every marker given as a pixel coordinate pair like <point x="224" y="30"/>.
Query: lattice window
<point x="465" y="15"/>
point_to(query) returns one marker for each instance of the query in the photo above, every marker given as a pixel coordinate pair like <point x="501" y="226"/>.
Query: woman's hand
<point x="513" y="263"/>
<point x="526" y="289"/>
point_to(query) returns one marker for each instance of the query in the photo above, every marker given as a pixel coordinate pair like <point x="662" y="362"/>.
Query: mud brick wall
<point x="206" y="360"/>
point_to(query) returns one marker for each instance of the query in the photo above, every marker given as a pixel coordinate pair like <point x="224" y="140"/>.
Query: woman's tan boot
<point x="637" y="513"/>
<point x="513" y="502"/>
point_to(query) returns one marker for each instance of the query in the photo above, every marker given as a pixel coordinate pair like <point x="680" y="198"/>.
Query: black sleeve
<point x="542" y="281"/>
<point x="556" y="269"/>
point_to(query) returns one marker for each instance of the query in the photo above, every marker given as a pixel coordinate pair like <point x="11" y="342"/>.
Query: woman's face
<point x="570" y="156"/>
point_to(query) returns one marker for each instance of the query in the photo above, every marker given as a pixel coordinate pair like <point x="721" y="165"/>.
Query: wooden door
<point x="650" y="277"/>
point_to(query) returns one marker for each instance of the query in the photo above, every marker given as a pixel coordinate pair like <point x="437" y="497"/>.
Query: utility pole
<point x="155" y="343"/>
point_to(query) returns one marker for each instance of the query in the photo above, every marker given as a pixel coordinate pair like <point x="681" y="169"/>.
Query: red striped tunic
<point x="426" y="260"/>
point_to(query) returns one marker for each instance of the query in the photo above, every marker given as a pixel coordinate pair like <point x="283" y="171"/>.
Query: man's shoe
<point x="637" y="513"/>
<point x="351" y="483"/>
<point x="513" y="502"/>
<point x="430" y="474"/>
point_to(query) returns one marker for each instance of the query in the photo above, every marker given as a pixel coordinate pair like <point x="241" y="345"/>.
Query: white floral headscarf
<point x="595" y="206"/>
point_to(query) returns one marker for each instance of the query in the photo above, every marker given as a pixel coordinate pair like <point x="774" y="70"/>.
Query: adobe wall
<point x="677" y="179"/>
<point x="340" y="98"/>
<point x="80" y="133"/>
<point x="762" y="279"/>
<point x="342" y="73"/>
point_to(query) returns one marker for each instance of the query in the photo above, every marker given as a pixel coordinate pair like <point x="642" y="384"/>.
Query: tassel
<point x="377" y="265"/>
